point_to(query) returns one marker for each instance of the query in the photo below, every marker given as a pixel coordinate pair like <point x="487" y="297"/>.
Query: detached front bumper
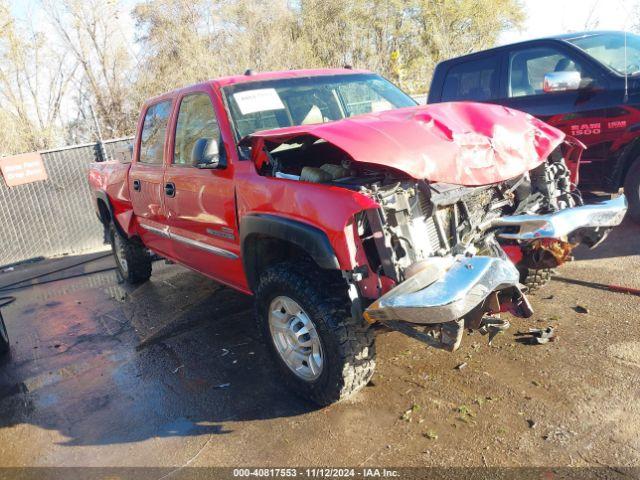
<point x="444" y="293"/>
<point x="450" y="287"/>
<point x="560" y="225"/>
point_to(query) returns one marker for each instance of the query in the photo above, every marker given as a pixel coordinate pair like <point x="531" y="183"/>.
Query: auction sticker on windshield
<point x="260" y="100"/>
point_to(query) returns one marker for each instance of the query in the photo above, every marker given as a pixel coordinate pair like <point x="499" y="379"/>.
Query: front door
<point x="146" y="179"/>
<point x="580" y="113"/>
<point x="200" y="202"/>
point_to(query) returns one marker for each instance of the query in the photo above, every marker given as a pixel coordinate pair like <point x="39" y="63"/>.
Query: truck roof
<point x="559" y="37"/>
<point x="259" y="76"/>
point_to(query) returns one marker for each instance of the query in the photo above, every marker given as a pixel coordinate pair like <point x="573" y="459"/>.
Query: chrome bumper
<point x="562" y="223"/>
<point x="447" y="291"/>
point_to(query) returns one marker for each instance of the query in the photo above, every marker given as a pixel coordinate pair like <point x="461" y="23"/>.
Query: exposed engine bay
<point x="458" y="205"/>
<point x="419" y="220"/>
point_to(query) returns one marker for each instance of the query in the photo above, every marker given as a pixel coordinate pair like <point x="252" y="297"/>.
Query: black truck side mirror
<point x="206" y="154"/>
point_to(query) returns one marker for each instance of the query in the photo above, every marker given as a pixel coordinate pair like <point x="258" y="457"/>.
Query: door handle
<point x="170" y="189"/>
<point x="137" y="185"/>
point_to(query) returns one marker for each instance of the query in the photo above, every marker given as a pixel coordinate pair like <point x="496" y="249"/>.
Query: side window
<point x="196" y="119"/>
<point x="473" y="80"/>
<point x="153" y="133"/>
<point x="527" y="69"/>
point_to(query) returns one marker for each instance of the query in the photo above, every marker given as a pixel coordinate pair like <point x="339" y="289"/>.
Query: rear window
<point x="153" y="133"/>
<point x="472" y="80"/>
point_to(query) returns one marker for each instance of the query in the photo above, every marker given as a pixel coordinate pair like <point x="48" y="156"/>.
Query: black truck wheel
<point x="322" y="353"/>
<point x="4" y="336"/>
<point x="632" y="190"/>
<point x="132" y="259"/>
<point x="535" y="279"/>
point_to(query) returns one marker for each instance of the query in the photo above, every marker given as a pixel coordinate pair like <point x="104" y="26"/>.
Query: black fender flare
<point x="310" y="239"/>
<point x="102" y="196"/>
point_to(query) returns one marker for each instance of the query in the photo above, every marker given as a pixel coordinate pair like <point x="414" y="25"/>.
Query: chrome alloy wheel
<point x="295" y="338"/>
<point x="119" y="252"/>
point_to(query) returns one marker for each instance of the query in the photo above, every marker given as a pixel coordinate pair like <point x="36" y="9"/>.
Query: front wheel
<point x="132" y="259"/>
<point x="632" y="190"/>
<point x="322" y="353"/>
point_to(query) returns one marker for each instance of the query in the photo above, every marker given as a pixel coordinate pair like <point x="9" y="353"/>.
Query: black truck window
<point x="472" y="80"/>
<point x="527" y="69"/>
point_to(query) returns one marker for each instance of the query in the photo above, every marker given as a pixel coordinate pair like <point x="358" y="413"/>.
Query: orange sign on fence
<point x="21" y="169"/>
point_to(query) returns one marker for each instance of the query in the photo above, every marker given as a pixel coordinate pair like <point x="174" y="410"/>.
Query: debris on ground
<point x="222" y="385"/>
<point x="548" y="297"/>
<point x="466" y="414"/>
<point x="460" y="366"/>
<point x="430" y="434"/>
<point x="493" y="326"/>
<point x="531" y="423"/>
<point x="406" y="416"/>
<point x="581" y="309"/>
<point x="537" y="336"/>
<point x="176" y="370"/>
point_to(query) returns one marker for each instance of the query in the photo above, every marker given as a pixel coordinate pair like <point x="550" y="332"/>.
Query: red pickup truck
<point x="340" y="205"/>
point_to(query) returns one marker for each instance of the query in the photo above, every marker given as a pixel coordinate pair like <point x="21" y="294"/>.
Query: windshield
<point x="303" y="101"/>
<point x="608" y="48"/>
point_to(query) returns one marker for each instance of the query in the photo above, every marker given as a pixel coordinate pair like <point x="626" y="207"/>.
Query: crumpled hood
<point x="462" y="143"/>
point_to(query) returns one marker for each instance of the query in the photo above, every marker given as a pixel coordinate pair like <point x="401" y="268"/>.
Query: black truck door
<point x="580" y="112"/>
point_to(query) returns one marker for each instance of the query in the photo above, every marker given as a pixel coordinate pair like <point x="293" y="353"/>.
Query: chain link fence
<point x="54" y="217"/>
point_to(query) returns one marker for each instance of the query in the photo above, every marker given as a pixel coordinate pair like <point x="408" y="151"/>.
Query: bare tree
<point x="89" y="30"/>
<point x="33" y="85"/>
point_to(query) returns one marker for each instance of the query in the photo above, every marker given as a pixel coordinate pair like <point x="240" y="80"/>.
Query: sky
<point x="544" y="17"/>
<point x="550" y="17"/>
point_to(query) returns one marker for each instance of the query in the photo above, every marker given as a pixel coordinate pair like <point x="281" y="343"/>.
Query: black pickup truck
<point x="586" y="84"/>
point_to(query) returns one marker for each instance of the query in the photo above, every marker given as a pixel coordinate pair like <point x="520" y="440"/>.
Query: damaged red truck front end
<point x="462" y="192"/>
<point x="361" y="209"/>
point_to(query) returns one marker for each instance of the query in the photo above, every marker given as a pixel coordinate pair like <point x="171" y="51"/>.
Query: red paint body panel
<point x="462" y="143"/>
<point x="468" y="144"/>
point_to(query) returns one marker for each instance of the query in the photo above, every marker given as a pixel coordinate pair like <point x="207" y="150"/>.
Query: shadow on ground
<point x="103" y="364"/>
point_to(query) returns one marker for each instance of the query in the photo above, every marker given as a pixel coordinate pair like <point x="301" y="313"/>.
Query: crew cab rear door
<point x="146" y="176"/>
<point x="200" y="202"/>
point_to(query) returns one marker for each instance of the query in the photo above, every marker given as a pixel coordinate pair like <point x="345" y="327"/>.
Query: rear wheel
<point x="632" y="190"/>
<point x="322" y="353"/>
<point x="132" y="259"/>
<point x="535" y="279"/>
<point x="4" y="336"/>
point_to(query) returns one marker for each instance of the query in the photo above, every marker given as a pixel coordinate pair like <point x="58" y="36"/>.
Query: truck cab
<point x="586" y="84"/>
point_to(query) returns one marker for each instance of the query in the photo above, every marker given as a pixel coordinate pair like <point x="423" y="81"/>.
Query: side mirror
<point x="561" y="81"/>
<point x="206" y="154"/>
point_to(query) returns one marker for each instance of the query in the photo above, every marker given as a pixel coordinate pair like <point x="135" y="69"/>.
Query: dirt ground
<point x="170" y="374"/>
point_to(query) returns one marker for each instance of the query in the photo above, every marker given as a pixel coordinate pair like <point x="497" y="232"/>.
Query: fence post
<point x="103" y="151"/>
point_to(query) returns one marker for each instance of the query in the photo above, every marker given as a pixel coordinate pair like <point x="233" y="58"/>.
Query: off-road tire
<point x="535" y="279"/>
<point x="347" y="344"/>
<point x="137" y="258"/>
<point x="632" y="190"/>
<point x="4" y="338"/>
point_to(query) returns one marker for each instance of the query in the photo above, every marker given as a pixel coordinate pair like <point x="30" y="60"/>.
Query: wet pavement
<point x="171" y="374"/>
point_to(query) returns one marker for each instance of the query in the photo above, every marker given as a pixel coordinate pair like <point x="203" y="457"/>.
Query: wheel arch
<point x="628" y="156"/>
<point x="267" y="239"/>
<point x="104" y="210"/>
